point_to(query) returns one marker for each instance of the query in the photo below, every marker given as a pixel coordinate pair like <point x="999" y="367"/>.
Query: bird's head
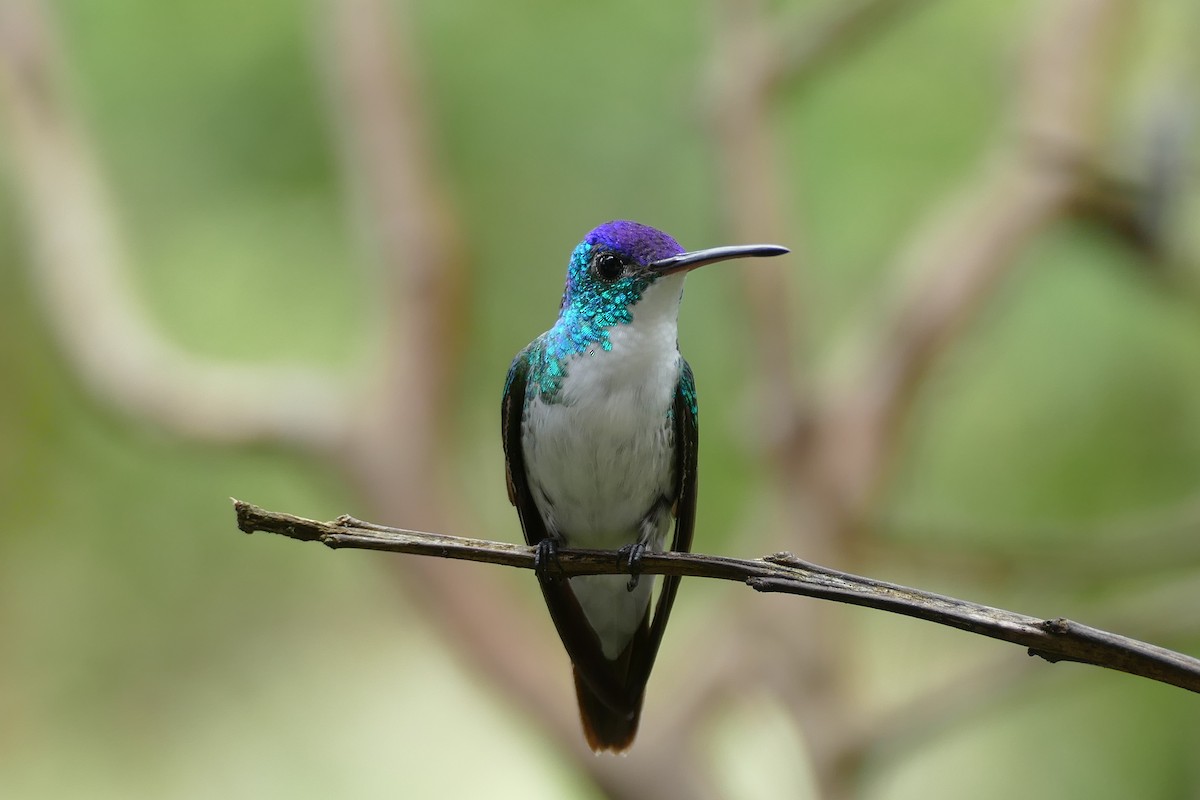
<point x="622" y="267"/>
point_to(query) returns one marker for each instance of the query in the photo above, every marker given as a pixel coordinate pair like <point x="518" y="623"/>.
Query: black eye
<point x="608" y="267"/>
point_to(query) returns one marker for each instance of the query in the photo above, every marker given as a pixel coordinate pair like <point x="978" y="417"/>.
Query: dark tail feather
<point x="604" y="727"/>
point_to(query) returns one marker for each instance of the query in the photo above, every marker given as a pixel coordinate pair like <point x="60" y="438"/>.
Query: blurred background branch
<point x="953" y="265"/>
<point x="84" y="284"/>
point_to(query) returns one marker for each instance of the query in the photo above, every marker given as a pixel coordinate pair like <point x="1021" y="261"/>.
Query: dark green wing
<point x="512" y="409"/>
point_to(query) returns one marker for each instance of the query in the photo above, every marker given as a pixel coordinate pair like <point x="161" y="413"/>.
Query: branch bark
<point x="1054" y="639"/>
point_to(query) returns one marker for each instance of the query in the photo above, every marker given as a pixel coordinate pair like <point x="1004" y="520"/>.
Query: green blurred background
<point x="147" y="649"/>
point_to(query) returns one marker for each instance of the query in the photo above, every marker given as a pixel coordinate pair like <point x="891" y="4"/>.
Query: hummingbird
<point x="599" y="422"/>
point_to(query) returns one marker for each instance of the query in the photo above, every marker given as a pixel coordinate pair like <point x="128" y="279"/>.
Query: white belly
<point x="597" y="469"/>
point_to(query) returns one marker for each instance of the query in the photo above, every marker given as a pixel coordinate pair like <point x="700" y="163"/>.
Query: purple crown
<point x="640" y="242"/>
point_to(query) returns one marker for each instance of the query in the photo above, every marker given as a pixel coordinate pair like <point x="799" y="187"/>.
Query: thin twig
<point x="1054" y="639"/>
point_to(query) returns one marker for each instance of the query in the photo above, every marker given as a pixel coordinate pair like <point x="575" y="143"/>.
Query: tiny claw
<point x="634" y="554"/>
<point x="544" y="556"/>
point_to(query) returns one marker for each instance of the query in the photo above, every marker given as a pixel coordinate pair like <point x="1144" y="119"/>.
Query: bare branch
<point x="1054" y="639"/>
<point x="84" y="281"/>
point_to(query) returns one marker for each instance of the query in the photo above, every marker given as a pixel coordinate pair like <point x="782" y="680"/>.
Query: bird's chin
<point x="663" y="296"/>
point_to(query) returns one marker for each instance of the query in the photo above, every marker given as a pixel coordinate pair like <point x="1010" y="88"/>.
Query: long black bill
<point x="698" y="258"/>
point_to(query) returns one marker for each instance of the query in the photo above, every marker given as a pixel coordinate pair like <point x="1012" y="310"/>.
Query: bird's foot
<point x="632" y="554"/>
<point x="545" y="557"/>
